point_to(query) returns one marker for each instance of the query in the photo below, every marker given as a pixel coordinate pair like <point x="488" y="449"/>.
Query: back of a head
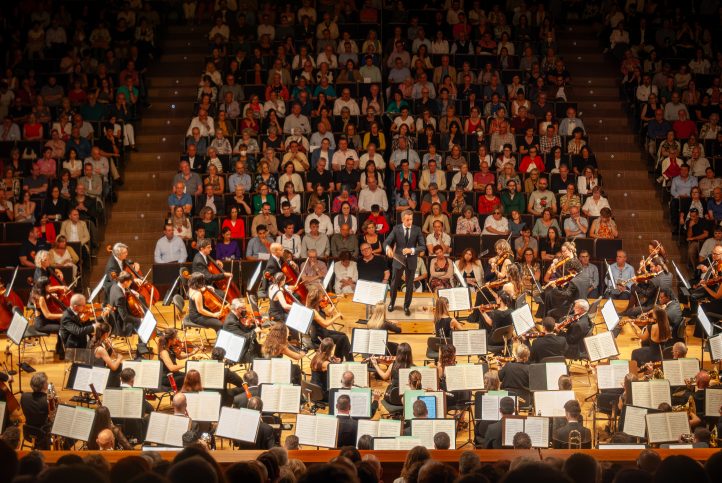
<point x="648" y="460"/>
<point x="436" y="472"/>
<point x="632" y="475"/>
<point x="281" y="455"/>
<point x="366" y="473"/>
<point x="69" y="459"/>
<point x="270" y="461"/>
<point x="8" y="460"/>
<point x="536" y="472"/>
<point x="713" y="466"/>
<point x="680" y="468"/>
<point x="442" y="440"/>
<point x="71" y="474"/>
<point x="127" y="468"/>
<point x="328" y="472"/>
<point x="192" y="470"/>
<point x="468" y="462"/>
<point x="30" y="464"/>
<point x="244" y="472"/>
<point x="581" y="468"/>
<point x="351" y="453"/>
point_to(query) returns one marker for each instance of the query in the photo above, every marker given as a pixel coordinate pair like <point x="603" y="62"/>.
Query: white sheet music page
<point x="377" y="342"/>
<point x="113" y="400"/>
<point x="538" y="430"/>
<point x="262" y="368"/>
<point x="551" y="403"/>
<point x="712" y="401"/>
<point x="689" y="366"/>
<point x="306" y="429"/>
<point x="678" y="424"/>
<point x="289" y="398"/>
<point x="270" y="395"/>
<point x="464" y="376"/>
<point x="522" y="319"/>
<point x="609" y="313"/>
<point x="176" y="427"/>
<point x="660" y="392"/>
<point x="212" y="373"/>
<point x="147" y="326"/>
<point x="133" y="398"/>
<point x="428" y="377"/>
<point x="238" y="424"/>
<point x="554" y="370"/>
<point x="511" y="427"/>
<point x="369" y="293"/>
<point x="82" y="423"/>
<point x="458" y="298"/>
<point x="611" y="376"/>
<point x="601" y="346"/>
<point x="280" y="371"/>
<point x="635" y="422"/>
<point x="82" y="378"/>
<point x="299" y="318"/>
<point x="63" y="422"/>
<point x="642" y="395"/>
<point x="469" y="342"/>
<point x="18" y="326"/>
<point x="360" y="343"/>
<point x="715" y="347"/>
<point x="360" y="401"/>
<point x="389" y="427"/>
<point x="490" y="408"/>
<point x="233" y="344"/>
<point x="367" y="426"/>
<point x="447" y="426"/>
<point x="326" y="430"/>
<point x="673" y="372"/>
<point x="204" y="405"/>
<point x="423" y="429"/>
<point x="99" y="378"/>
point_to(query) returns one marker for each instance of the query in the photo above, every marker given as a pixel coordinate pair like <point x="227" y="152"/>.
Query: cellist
<point x="42" y="269"/>
<point x="115" y="265"/>
<point x="197" y="311"/>
<point x="123" y="320"/>
<point x="201" y="261"/>
<point x="47" y="321"/>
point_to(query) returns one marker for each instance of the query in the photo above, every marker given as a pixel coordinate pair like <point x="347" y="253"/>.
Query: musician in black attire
<point x="492" y="437"/>
<point x="73" y="331"/>
<point x="265" y="437"/>
<point x="203" y="258"/>
<point x="115" y="265"/>
<point x="577" y="330"/>
<point x="557" y="299"/>
<point x="273" y="266"/>
<point x="673" y="309"/>
<point x="646" y="292"/>
<point x="123" y="320"/>
<point x="347" y="426"/>
<point x="573" y="413"/>
<point x="514" y="376"/>
<point x="497" y="318"/>
<point x="239" y="323"/>
<point x="251" y="380"/>
<point x="230" y="377"/>
<point x="549" y="345"/>
<point x="36" y="411"/>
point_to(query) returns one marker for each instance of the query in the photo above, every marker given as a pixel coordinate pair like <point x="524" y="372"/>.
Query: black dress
<point x="442" y="328"/>
<point x="343" y="345"/>
<point x="179" y="376"/>
<point x="114" y="376"/>
<point x="320" y="378"/>
<point x="47" y="326"/>
<point x="202" y="320"/>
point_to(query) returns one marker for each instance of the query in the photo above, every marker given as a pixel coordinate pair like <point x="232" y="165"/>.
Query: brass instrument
<point x="713" y="442"/>
<point x="53" y="401"/>
<point x="574" y="440"/>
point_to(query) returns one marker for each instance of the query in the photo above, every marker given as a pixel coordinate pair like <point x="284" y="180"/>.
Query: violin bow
<point x="300" y="272"/>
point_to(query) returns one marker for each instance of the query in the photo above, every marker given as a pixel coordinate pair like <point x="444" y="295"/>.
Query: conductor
<point x="404" y="244"/>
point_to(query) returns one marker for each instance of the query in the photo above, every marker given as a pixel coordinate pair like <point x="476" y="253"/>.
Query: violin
<point x="178" y="346"/>
<point x="567" y="321"/>
<point x="494" y="284"/>
<point x="485" y="307"/>
<point x="560" y="263"/>
<point x="500" y="260"/>
<point x="145" y="289"/>
<point x="90" y="312"/>
<point x="561" y="281"/>
<point x="642" y="277"/>
<point x="381" y="359"/>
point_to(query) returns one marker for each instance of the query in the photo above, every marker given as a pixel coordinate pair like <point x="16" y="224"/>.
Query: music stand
<point x="97" y="289"/>
<point x="255" y="279"/>
<point x="15" y="333"/>
<point x="168" y="299"/>
<point x="685" y="288"/>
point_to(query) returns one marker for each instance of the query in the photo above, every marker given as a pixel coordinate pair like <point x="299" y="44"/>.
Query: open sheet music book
<point x="86" y="375"/>
<point x="238" y="424"/>
<point x="74" y="422"/>
<point x="428" y="377"/>
<point x="650" y="394"/>
<point x="166" y="429"/>
<point x="522" y="319"/>
<point x="147" y="373"/>
<point x="704" y="321"/>
<point x="280" y="398"/>
<point x="667" y="427"/>
<point x="712" y="401"/>
<point x="459" y="298"/>
<point x="490" y="407"/>
<point x="360" y="401"/>
<point x="425" y="429"/>
<point x="369" y="293"/>
<point x="204" y="406"/>
<point x="273" y="371"/>
<point x="551" y="403"/>
<point x="317" y="430"/>
<point x="545" y="377"/>
<point x="469" y="342"/>
<point x="369" y="341"/>
<point x="464" y="376"/>
<point x="359" y="369"/>
<point x="677" y="370"/>
<point x="609" y="313"/>
<point x="635" y="421"/>
<point x="18" y="326"/>
<point x="125" y="403"/>
<point x="601" y="346"/>
<point x="403" y="443"/>
<point x="715" y="347"/>
<point x="299" y="318"/>
<point x="147" y="326"/>
<point x="382" y="428"/>
<point x="411" y="395"/>
<point x="611" y="376"/>
<point x="536" y="427"/>
<point x="233" y="344"/>
<point x="213" y="373"/>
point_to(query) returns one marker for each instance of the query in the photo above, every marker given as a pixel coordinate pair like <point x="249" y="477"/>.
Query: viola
<point x="224" y="284"/>
<point x="561" y="280"/>
<point x="567" y="321"/>
<point x="90" y="312"/>
<point x="486" y="307"/>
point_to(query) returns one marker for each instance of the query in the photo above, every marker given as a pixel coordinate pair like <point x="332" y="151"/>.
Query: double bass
<point x="144" y="289"/>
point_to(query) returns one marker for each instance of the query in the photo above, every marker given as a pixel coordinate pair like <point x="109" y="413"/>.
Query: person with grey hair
<point x="240" y="322"/>
<point x="36" y="411"/>
<point x="73" y="332"/>
<point x="115" y="265"/>
<point x="577" y="328"/>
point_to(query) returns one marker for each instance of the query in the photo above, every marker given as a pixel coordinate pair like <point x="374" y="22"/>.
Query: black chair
<point x="433" y="347"/>
<point x="500" y="339"/>
<point x="393" y="404"/>
<point x="313" y="395"/>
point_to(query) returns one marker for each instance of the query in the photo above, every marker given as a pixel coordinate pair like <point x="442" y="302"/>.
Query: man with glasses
<point x="496" y="224"/>
<point x="371" y="267"/>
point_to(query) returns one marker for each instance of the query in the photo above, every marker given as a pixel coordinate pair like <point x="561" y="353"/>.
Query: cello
<point x="293" y="280"/>
<point x="145" y="289"/>
<point x="57" y="280"/>
<point x="211" y="300"/>
<point x="225" y="285"/>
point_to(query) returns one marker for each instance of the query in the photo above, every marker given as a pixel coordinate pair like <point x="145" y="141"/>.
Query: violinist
<point x="404" y="359"/>
<point x="73" y="331"/>
<point x="501" y="262"/>
<point x="169" y="352"/>
<point x="499" y="317"/>
<point x="202" y="260"/>
<point x="276" y="345"/>
<point x="277" y="295"/>
<point x="577" y="330"/>
<point x="654" y="249"/>
<point x="197" y="311"/>
<point x="444" y="324"/>
<point x="709" y="290"/>
<point x="319" y="365"/>
<point x="513" y="286"/>
<point x="239" y="322"/>
<point x="548" y="345"/>
<point x="656" y="335"/>
<point x="115" y="265"/>
<point x="320" y="327"/>
<point x="557" y="299"/>
<point x="645" y="291"/>
<point x="123" y="320"/>
<point x="47" y="321"/>
<point x="104" y="356"/>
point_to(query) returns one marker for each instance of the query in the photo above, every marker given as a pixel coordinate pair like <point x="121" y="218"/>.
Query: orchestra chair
<point x="31" y="435"/>
<point x="604" y="408"/>
<point x="32" y="337"/>
<point x="582" y="359"/>
<point x="313" y="395"/>
<point x="433" y="346"/>
<point x="118" y="333"/>
<point x="186" y="324"/>
<point x="393" y="404"/>
<point x="501" y="339"/>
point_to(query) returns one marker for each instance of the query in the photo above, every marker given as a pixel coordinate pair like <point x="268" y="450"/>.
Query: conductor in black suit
<point x="347" y="426"/>
<point x="124" y="321"/>
<point x="404" y="244"/>
<point x="73" y="332"/>
<point x="115" y="265"/>
<point x="203" y="258"/>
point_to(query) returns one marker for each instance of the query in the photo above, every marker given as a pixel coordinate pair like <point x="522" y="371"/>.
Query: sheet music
<point x="635" y="422"/>
<point x="272" y="371"/>
<point x="212" y="373"/>
<point x="551" y="403"/>
<point x="382" y="428"/>
<point x="425" y="429"/>
<point x="428" y="377"/>
<point x="704" y="321"/>
<point x="511" y="427"/>
<point x="85" y="376"/>
<point x="360" y="401"/>
<point x="611" y="376"/>
<point x="412" y="395"/>
<point x="97" y="290"/>
<point x="317" y="430"/>
<point x="369" y="293"/>
<point x="459" y="298"/>
<point x="554" y="370"/>
<point x="609" y="313"/>
<point x="232" y="343"/>
<point x="490" y="407"/>
<point x="677" y="370"/>
<point x="464" y="376"/>
<point x="359" y="369"/>
<point x="126" y="403"/>
<point x="280" y="398"/>
<point x="712" y="401"/>
<point x="538" y="430"/>
<point x="715" y="347"/>
<point x="147" y="326"/>
<point x="666" y="427"/>
<point x="147" y="373"/>
<point x="166" y="429"/>
<point x="204" y="405"/>
<point x="398" y="443"/>
<point x="601" y="346"/>
<point x="469" y="342"/>
<point x="522" y="319"/>
<point x="650" y="394"/>
<point x="299" y="318"/>
<point x="238" y="424"/>
<point x="18" y="326"/>
<point x="460" y="277"/>
<point x="681" y="277"/>
<point x="73" y="422"/>
<point x="369" y="341"/>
